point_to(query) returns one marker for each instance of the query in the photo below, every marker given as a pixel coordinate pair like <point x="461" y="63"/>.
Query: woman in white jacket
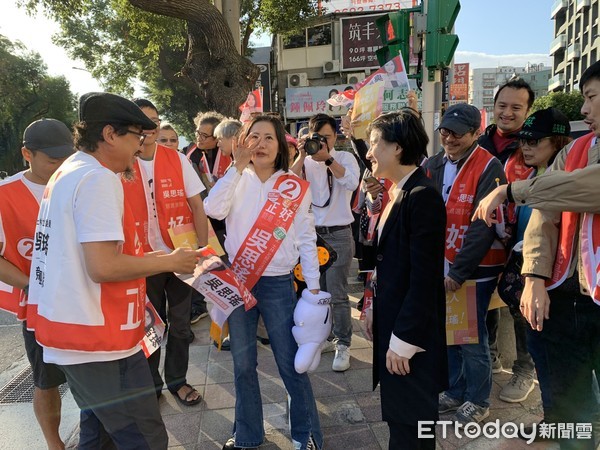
<point x="266" y="207"/>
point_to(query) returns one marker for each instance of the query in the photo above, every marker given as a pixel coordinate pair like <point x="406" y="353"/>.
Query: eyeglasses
<point x="141" y="135"/>
<point x="165" y="140"/>
<point x="445" y="132"/>
<point x="531" y="142"/>
<point x="203" y="135"/>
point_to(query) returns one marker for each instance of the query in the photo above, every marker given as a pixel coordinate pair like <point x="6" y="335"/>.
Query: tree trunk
<point x="222" y="77"/>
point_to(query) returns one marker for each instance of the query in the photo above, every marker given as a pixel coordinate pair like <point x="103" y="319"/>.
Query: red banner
<point x="459" y="88"/>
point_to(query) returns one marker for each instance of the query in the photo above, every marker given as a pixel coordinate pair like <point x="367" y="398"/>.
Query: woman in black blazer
<point x="407" y="323"/>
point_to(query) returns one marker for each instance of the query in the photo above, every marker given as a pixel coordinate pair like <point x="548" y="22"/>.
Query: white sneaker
<point x="327" y="347"/>
<point x="341" y="361"/>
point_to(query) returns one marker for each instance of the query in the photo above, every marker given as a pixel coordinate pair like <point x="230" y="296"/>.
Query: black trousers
<point x="572" y="337"/>
<point x="405" y="437"/>
<point x="166" y="288"/>
<point x="118" y="405"/>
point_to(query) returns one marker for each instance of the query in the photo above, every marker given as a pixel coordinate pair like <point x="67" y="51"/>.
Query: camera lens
<point x="313" y="144"/>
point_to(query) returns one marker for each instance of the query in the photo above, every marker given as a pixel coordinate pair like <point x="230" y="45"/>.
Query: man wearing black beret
<point x="87" y="284"/>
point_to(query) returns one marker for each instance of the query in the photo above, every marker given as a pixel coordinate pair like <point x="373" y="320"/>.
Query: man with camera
<point x="333" y="177"/>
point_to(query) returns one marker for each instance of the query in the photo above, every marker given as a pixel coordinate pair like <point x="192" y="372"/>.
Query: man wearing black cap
<point x="46" y="144"/>
<point x="87" y="283"/>
<point x="465" y="173"/>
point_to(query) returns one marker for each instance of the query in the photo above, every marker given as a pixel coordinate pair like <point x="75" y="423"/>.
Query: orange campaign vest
<point x="576" y="159"/>
<point x="172" y="208"/>
<point x="123" y="310"/>
<point x="19" y="210"/>
<point x="459" y="209"/>
<point x="222" y="163"/>
<point x="516" y="170"/>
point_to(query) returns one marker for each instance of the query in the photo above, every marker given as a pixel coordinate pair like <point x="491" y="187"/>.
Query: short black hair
<point x="318" y="121"/>
<point x="591" y="73"/>
<point x="517" y="83"/>
<point x="406" y="129"/>
<point x="282" y="161"/>
<point x="210" y="117"/>
<point x="87" y="135"/>
<point x="144" y="103"/>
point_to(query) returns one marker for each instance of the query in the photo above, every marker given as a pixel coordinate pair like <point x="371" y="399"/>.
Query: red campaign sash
<point x="221" y="287"/>
<point x="269" y="230"/>
<point x="577" y="158"/>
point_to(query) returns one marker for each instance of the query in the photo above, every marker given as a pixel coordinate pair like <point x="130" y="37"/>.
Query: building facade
<point x="484" y="82"/>
<point x="576" y="41"/>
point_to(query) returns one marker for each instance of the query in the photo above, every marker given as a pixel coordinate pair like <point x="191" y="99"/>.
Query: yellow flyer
<point x="461" y="315"/>
<point x="213" y="241"/>
<point x="496" y="301"/>
<point x="367" y="106"/>
<point x="184" y="236"/>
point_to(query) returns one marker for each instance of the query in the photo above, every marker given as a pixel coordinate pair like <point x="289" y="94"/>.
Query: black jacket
<point x="486" y="141"/>
<point x="410" y="302"/>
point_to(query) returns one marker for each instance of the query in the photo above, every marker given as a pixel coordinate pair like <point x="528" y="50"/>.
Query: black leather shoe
<point x="225" y="345"/>
<point x="230" y="445"/>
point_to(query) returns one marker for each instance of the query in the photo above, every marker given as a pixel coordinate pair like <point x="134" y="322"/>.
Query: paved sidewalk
<point x="349" y="410"/>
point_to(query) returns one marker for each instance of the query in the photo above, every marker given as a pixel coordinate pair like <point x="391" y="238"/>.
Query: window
<point x="319" y="35"/>
<point x="295" y="40"/>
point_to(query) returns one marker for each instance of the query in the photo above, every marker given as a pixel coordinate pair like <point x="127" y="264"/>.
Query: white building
<point x="483" y="83"/>
<point x="576" y="41"/>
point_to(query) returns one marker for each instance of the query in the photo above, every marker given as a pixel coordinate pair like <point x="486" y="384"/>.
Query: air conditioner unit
<point x="297" y="79"/>
<point x="354" y="78"/>
<point x="331" y="66"/>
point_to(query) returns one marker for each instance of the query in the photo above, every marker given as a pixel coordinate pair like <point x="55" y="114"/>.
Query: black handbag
<point x="510" y="285"/>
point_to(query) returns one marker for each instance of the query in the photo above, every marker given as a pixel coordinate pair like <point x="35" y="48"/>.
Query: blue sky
<point x="514" y="31"/>
<point x="491" y="32"/>
<point x="505" y="26"/>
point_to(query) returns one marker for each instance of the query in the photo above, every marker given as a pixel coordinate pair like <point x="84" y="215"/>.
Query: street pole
<point x="432" y="99"/>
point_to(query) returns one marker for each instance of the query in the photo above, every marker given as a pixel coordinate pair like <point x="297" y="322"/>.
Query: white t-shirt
<point x="192" y="185"/>
<point x="338" y="212"/>
<point x="239" y="199"/>
<point x="85" y="205"/>
<point x="36" y="189"/>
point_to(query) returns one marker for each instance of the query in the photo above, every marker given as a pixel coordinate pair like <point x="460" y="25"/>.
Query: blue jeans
<point x="335" y="281"/>
<point x="537" y="350"/>
<point x="276" y="302"/>
<point x="470" y="366"/>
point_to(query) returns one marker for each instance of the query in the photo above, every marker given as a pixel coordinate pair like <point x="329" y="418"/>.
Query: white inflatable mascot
<point x="312" y="318"/>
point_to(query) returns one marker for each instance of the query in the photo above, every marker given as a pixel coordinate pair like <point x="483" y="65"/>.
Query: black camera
<point x="313" y="144"/>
